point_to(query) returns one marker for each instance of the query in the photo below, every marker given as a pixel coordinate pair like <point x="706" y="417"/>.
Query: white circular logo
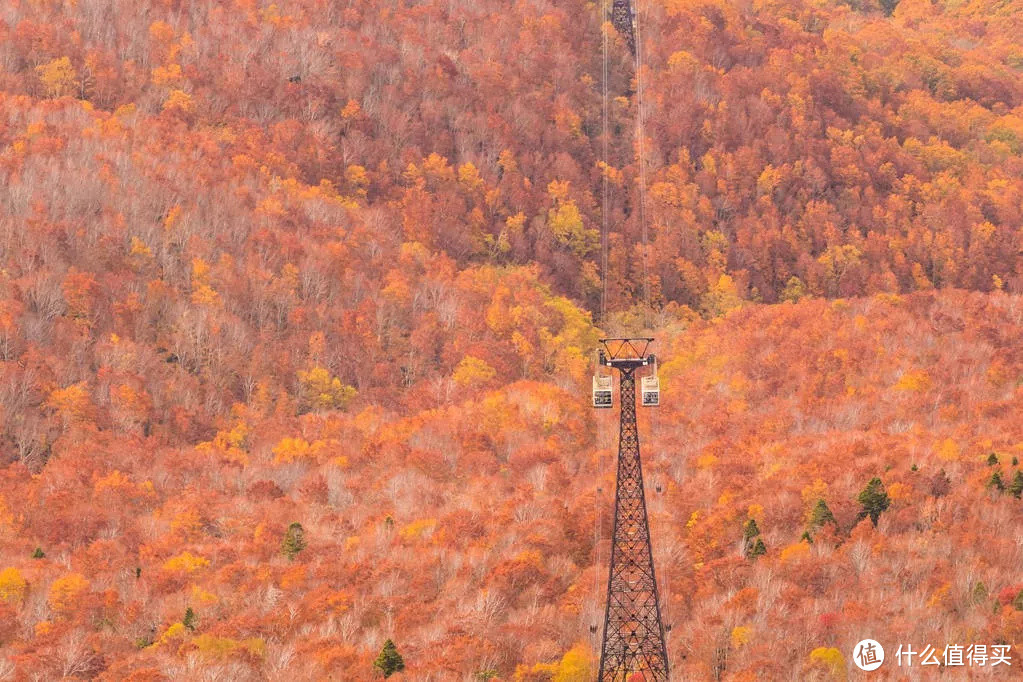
<point x="868" y="655"/>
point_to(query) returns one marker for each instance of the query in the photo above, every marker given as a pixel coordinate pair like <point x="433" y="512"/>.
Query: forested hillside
<point x="337" y="265"/>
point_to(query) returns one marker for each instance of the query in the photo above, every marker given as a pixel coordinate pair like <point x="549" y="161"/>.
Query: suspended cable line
<point x="641" y="160"/>
<point x="606" y="190"/>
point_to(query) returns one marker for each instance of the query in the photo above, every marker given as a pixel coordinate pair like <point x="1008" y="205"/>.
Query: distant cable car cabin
<point x="603" y="386"/>
<point x="650" y="387"/>
<point x="602" y="391"/>
<point x="651" y="391"/>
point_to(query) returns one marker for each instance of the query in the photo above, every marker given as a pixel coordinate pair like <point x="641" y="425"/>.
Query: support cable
<point x="605" y="198"/>
<point x="604" y="219"/>
<point x="640" y="151"/>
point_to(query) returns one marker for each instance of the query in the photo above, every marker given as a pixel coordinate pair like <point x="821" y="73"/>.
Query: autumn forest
<point x="299" y="303"/>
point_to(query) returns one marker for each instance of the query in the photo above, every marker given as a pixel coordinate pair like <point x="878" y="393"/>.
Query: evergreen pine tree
<point x="1016" y="488"/>
<point x="821" y="514"/>
<point x="996" y="482"/>
<point x="389" y="661"/>
<point x="294" y="541"/>
<point x="979" y="592"/>
<point x="992" y="460"/>
<point x="751" y="532"/>
<point x="874" y="500"/>
<point x="189" y="620"/>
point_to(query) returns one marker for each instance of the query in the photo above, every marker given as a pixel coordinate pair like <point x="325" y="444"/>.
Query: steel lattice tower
<point x="633" y="632"/>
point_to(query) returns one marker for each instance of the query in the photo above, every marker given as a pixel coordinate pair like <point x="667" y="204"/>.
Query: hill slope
<point x="264" y="264"/>
<point x="465" y="530"/>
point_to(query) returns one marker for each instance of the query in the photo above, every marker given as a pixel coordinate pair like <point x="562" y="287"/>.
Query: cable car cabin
<point x="602" y="391"/>
<point x="651" y="389"/>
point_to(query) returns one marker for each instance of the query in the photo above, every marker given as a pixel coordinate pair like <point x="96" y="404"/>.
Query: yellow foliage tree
<point x="418" y="529"/>
<point x="167" y="75"/>
<point x="57" y="77"/>
<point x="948" y="450"/>
<point x="436" y="167"/>
<point x="574" y="337"/>
<point x="836" y="260"/>
<point x="516" y="223"/>
<point x="202" y="292"/>
<point x="12" y="585"/>
<point x="187" y="524"/>
<point x="914" y="381"/>
<point x="566" y="223"/>
<point x="469" y="176"/>
<point x="71" y="403"/>
<point x="296" y="449"/>
<point x="230" y="445"/>
<point x="357" y="177"/>
<point x="472" y="370"/>
<point x="173" y="633"/>
<point x="186" y="562"/>
<point x="768" y="180"/>
<point x="722" y="297"/>
<point x="203" y="597"/>
<point x="795" y="551"/>
<point x="140" y="248"/>
<point x="221" y="647"/>
<point x="320" y="391"/>
<point x="741" y="634"/>
<point x="66" y="593"/>
<point x="172" y="218"/>
<point x="829" y="658"/>
<point x="794" y="290"/>
<point x="574" y="666"/>
<point x="178" y="100"/>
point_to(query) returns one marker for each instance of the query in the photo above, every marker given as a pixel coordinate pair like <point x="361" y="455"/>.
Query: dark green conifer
<point x="389" y="661"/>
<point x="874" y="500"/>
<point x="752" y="545"/>
<point x="821" y="514"/>
<point x="979" y="592"/>
<point x="1016" y="488"/>
<point x="294" y="541"/>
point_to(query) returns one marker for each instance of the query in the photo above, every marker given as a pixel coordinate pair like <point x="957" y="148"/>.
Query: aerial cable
<point x="644" y="231"/>
<point x="640" y="151"/>
<point x="598" y="506"/>
<point x="604" y="245"/>
<point x="605" y="198"/>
